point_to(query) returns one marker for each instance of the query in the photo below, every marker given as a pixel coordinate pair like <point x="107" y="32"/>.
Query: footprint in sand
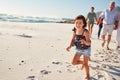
<point x="101" y="77"/>
<point x="59" y="71"/>
<point x="44" y="72"/>
<point x="22" y="62"/>
<point x="31" y="78"/>
<point x="10" y="68"/>
<point x="57" y="62"/>
<point x="24" y="35"/>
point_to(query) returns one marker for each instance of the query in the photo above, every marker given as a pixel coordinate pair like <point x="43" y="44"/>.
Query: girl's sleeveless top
<point x="77" y="42"/>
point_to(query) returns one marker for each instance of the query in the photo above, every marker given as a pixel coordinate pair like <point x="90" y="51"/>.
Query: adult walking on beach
<point x="110" y="22"/>
<point x="90" y="17"/>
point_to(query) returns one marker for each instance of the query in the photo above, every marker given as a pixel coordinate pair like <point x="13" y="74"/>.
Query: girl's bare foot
<point x="87" y="77"/>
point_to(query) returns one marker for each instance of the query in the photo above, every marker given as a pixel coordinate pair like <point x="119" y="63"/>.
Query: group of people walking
<point x="108" y="19"/>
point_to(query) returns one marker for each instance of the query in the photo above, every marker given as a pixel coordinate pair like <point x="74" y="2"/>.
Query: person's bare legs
<point x="91" y="26"/>
<point x="86" y="59"/>
<point x="76" y="60"/>
<point x="103" y="40"/>
<point x="83" y="63"/>
<point x="108" y="41"/>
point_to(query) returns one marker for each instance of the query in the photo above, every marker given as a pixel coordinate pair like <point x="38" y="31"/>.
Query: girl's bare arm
<point x="87" y="36"/>
<point x="71" y="42"/>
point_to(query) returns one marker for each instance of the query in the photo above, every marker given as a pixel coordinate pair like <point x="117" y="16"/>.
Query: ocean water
<point x="30" y="19"/>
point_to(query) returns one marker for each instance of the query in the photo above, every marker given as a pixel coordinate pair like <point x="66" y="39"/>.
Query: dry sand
<point x="36" y="51"/>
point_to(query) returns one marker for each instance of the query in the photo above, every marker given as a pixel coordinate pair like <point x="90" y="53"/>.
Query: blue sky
<point x="53" y="8"/>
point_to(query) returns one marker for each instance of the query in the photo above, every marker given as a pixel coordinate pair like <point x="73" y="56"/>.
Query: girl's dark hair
<point x="82" y="18"/>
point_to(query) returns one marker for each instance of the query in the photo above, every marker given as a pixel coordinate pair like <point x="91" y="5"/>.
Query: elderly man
<point x="110" y="22"/>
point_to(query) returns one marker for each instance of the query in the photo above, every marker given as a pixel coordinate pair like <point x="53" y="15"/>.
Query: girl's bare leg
<point x="83" y="66"/>
<point x="86" y="59"/>
<point x="76" y="60"/>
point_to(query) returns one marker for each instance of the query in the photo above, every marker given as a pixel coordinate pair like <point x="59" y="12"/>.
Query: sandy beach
<point x="36" y="51"/>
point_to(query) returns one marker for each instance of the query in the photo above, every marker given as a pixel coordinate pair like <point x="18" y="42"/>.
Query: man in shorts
<point x="110" y="22"/>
